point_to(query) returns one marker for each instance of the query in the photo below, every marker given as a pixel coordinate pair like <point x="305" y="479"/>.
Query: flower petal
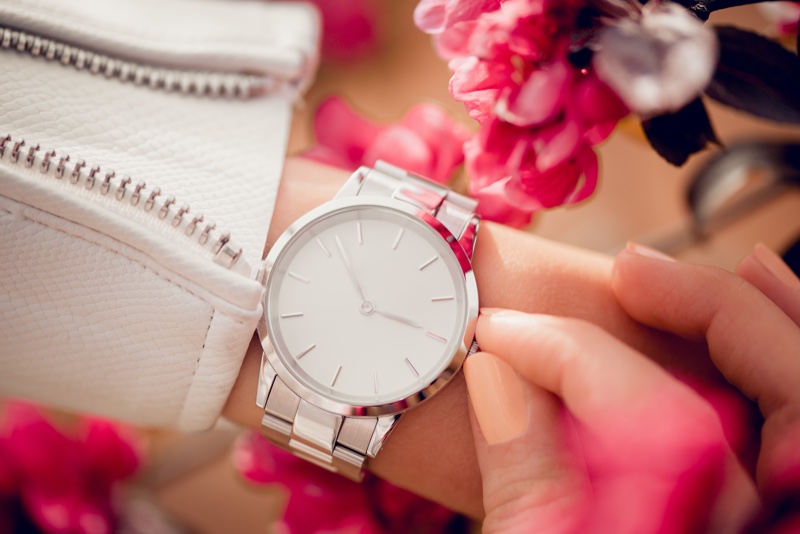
<point x="455" y="41"/>
<point x="436" y="16"/>
<point x="658" y="63"/>
<point x="339" y="127"/>
<point x="442" y="134"/>
<point x="540" y="97"/>
<point x="493" y="205"/>
<point x="111" y="450"/>
<point x="429" y="15"/>
<point x="403" y="147"/>
<point x="477" y="84"/>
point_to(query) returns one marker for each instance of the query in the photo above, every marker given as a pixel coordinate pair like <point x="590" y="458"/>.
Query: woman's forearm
<point x="431" y="450"/>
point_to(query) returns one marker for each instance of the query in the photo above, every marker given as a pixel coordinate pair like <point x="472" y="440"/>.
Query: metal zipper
<point x="165" y="209"/>
<point x="199" y="83"/>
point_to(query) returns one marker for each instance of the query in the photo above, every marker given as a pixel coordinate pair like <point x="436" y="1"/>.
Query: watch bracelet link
<point x="335" y="442"/>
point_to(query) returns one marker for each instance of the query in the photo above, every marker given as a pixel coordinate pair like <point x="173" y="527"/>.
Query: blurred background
<point x="189" y="484"/>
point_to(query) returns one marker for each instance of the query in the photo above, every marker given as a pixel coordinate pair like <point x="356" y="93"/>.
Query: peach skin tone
<point x="431" y="452"/>
<point x="751" y="324"/>
<point x="613" y="442"/>
<point x="638" y="450"/>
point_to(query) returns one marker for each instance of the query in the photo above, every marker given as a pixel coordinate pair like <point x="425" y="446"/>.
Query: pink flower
<point x="515" y="171"/>
<point x="540" y="115"/>
<point x="426" y="141"/>
<point x="321" y="501"/>
<point x="436" y="16"/>
<point x="348" y="27"/>
<point x="64" y="481"/>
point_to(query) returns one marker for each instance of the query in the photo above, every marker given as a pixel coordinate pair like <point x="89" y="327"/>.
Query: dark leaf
<point x="756" y="75"/>
<point x="676" y="136"/>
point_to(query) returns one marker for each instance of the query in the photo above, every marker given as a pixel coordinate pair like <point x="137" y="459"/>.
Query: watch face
<point x="366" y="306"/>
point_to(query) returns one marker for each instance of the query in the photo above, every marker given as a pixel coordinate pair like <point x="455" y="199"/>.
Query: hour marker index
<point x="298" y="277"/>
<point x="436" y="337"/>
<point x="440" y="299"/>
<point x="336" y="375"/>
<point x="411" y="366"/>
<point x="397" y="239"/>
<point x="360" y="233"/>
<point x="323" y="247"/>
<point x="375" y="379"/>
<point x="293" y="314"/>
<point x="309" y="349"/>
<point x="433" y="259"/>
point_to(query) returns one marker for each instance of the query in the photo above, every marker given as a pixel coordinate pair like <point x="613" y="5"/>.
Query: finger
<point x="530" y="479"/>
<point x="624" y="398"/>
<point x="767" y="271"/>
<point x="751" y="340"/>
<point x="647" y="437"/>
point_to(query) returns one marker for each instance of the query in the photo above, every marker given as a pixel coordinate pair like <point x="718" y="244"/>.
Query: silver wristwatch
<point x="369" y="309"/>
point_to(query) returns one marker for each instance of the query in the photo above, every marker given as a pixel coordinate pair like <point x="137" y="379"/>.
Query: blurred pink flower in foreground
<point x="64" y="482"/>
<point x="540" y="115"/>
<point x="321" y="501"/>
<point x="348" y="27"/>
<point x="426" y="141"/>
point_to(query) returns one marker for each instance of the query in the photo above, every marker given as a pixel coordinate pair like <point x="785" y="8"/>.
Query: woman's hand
<point x="641" y="451"/>
<point x="750" y="322"/>
<point x="638" y="451"/>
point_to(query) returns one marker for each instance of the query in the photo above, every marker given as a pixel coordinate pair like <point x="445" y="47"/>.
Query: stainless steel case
<point x="456" y="360"/>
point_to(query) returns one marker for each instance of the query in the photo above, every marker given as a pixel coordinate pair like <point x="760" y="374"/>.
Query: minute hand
<point x="398" y="318"/>
<point x="350" y="270"/>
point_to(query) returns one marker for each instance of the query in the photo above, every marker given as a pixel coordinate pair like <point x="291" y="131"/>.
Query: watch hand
<point x="398" y="318"/>
<point x="350" y="269"/>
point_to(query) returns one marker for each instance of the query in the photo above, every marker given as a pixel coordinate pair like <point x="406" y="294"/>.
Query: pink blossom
<point x="526" y="169"/>
<point x="64" y="481"/>
<point x="321" y="501"/>
<point x="426" y="141"/>
<point x="540" y="115"/>
<point x="436" y="16"/>
<point x="348" y="27"/>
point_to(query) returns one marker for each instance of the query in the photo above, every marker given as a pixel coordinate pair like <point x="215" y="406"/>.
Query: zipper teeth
<point x="188" y="82"/>
<point x="106" y="182"/>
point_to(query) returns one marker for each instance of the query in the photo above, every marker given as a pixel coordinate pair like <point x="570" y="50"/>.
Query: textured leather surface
<point x="234" y="36"/>
<point x="107" y="311"/>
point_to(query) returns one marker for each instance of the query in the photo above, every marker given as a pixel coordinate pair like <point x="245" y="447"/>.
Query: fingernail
<point x="775" y="265"/>
<point x="641" y="250"/>
<point x="497" y="394"/>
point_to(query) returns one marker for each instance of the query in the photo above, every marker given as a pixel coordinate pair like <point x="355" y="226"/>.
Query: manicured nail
<point x="497" y="394"/>
<point x="641" y="250"/>
<point x="775" y="265"/>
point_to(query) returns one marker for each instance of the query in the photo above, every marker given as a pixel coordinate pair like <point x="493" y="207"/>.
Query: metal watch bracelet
<point x="341" y="443"/>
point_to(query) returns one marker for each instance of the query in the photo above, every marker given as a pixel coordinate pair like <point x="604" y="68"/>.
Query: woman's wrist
<point x="431" y="451"/>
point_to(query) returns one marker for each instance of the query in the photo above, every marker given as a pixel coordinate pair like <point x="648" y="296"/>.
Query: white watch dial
<point x="366" y="305"/>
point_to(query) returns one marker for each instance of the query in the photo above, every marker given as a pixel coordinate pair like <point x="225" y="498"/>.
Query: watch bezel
<point x="456" y="359"/>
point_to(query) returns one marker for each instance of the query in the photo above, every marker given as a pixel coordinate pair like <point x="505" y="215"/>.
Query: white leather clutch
<point x="141" y="145"/>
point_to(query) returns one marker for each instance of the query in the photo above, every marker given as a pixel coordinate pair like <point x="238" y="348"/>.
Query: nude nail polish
<point x="498" y="398"/>
<point x="775" y="265"/>
<point x="641" y="250"/>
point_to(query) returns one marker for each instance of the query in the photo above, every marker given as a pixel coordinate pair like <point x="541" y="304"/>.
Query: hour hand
<point x="350" y="270"/>
<point x="398" y="318"/>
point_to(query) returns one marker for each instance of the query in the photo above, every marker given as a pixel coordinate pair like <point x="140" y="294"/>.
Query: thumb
<point x="531" y="481"/>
